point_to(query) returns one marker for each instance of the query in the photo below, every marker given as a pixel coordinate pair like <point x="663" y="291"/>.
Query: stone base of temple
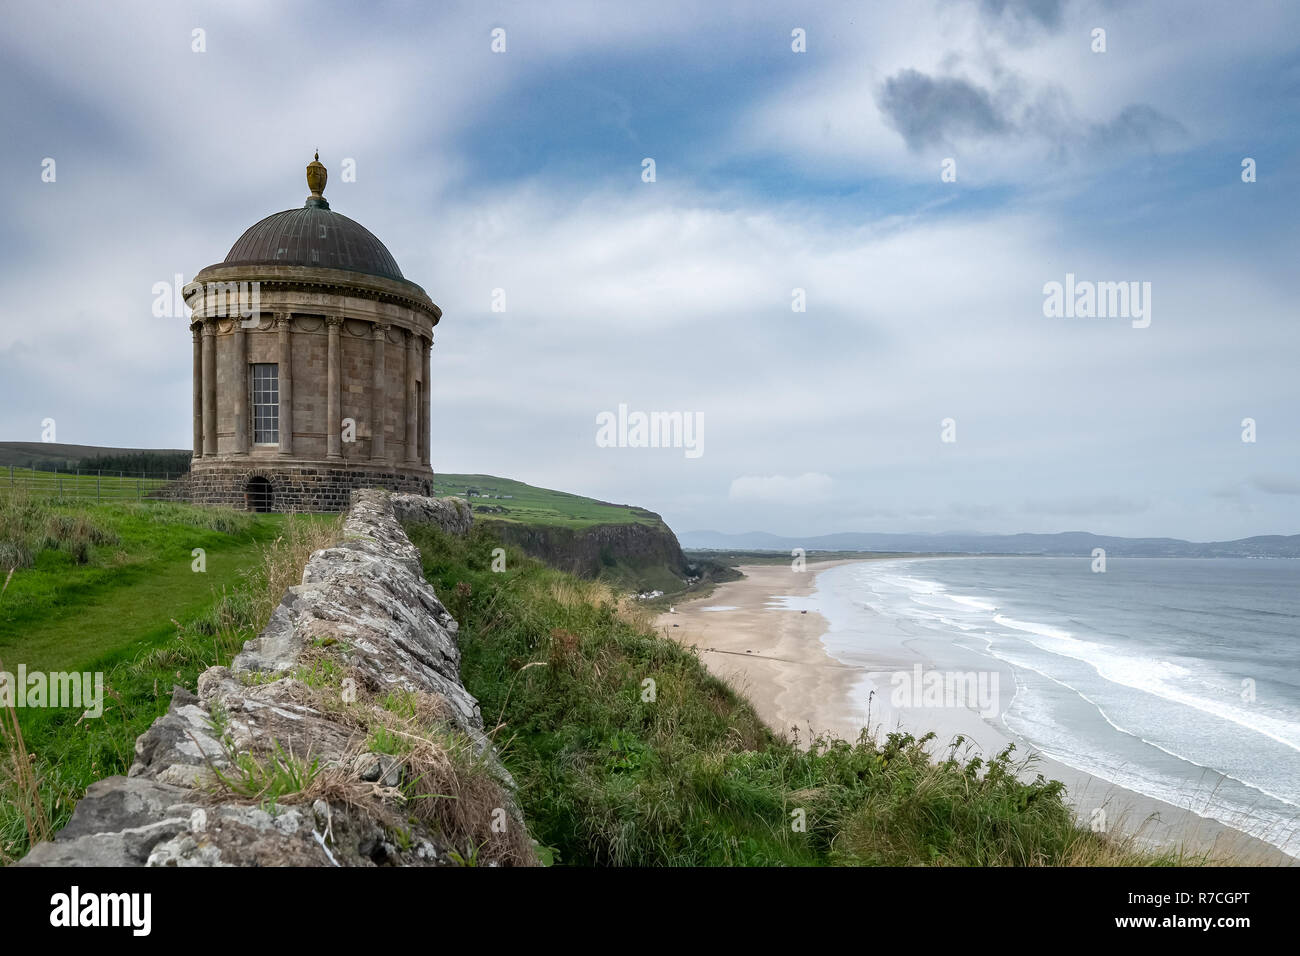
<point x="291" y="487"/>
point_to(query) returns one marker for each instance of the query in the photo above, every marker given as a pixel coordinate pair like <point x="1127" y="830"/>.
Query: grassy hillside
<point x="625" y="749"/>
<point x="94" y="579"/>
<point x="502" y="499"/>
<point x="112" y="588"/>
<point x="28" y="454"/>
<point x="629" y="547"/>
<point x="628" y="752"/>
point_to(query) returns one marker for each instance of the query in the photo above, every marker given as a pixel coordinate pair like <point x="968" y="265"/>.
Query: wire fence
<point x="87" y="485"/>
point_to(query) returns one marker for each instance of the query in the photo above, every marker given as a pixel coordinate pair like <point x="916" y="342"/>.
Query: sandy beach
<point x="776" y="656"/>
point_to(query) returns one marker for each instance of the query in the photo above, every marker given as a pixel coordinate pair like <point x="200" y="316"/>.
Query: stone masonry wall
<point x="296" y="488"/>
<point x="364" y="629"/>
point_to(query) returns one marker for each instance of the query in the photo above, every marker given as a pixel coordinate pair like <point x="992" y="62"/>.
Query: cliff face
<point x="323" y="743"/>
<point x="589" y="551"/>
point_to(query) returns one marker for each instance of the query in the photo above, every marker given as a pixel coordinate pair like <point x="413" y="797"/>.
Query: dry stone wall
<point x="364" y="630"/>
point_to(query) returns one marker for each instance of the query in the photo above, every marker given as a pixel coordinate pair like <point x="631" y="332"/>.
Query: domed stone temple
<point x="311" y="366"/>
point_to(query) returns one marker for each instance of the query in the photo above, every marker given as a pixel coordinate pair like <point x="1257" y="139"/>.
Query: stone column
<point x="284" y="326"/>
<point x="209" y="388"/>
<point x="239" y="382"/>
<point x="333" y="407"/>
<point x="378" y="396"/>
<point x="197" y="329"/>
<point x="428" y="419"/>
<point x="412" y="398"/>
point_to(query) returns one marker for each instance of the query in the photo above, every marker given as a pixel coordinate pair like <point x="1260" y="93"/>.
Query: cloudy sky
<point x="775" y="170"/>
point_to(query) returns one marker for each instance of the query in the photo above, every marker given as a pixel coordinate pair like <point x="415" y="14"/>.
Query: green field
<point x="502" y="499"/>
<point x="113" y="588"/>
<point x="24" y="466"/>
<point x="72" y="607"/>
<point x="91" y="486"/>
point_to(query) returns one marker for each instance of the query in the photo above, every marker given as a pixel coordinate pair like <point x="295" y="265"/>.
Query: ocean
<point x="1178" y="678"/>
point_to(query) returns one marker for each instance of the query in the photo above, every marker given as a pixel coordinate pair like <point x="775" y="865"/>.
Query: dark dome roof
<point x="314" y="235"/>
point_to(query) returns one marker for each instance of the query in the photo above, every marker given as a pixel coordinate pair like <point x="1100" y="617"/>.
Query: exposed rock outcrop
<point x="453" y="515"/>
<point x="585" y="551"/>
<point x="341" y="735"/>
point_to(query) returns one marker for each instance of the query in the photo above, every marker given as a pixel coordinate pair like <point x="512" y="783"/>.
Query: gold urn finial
<point x="316" y="176"/>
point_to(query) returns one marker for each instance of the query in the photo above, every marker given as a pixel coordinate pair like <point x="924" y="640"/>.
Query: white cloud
<point x="677" y="295"/>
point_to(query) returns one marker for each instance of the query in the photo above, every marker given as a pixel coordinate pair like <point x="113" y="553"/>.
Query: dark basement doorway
<point x="258" y="494"/>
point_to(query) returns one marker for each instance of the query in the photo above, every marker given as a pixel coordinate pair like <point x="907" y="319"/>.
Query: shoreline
<point x="775" y="653"/>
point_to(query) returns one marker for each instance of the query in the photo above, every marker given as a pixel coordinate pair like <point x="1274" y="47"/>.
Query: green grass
<point x="69" y="607"/>
<point x="560" y="666"/>
<point x="692" y="777"/>
<point x="135" y="610"/>
<point x="538" y="506"/>
<point x="266" y="779"/>
<point x="90" y="486"/>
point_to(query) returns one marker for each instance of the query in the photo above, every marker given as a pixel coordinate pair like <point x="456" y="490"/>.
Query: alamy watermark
<point x="127" y="910"/>
<point x="626" y="429"/>
<point x="1084" y="299"/>
<point x="242" y="300"/>
<point x="56" y="689"/>
<point x="974" y="690"/>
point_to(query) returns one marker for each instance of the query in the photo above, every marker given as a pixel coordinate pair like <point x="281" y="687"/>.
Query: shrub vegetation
<point x="627" y="752"/>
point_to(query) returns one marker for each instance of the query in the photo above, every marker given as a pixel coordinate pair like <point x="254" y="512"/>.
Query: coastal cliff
<point x="589" y="551"/>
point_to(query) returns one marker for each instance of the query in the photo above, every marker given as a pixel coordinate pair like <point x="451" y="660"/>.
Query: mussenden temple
<point x="311" y="366"/>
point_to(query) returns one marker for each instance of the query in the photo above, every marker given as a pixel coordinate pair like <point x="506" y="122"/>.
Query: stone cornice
<point x="337" y="281"/>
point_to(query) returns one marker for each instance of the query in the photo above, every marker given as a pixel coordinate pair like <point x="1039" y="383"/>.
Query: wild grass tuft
<point x="19" y="779"/>
<point x="266" y="778"/>
<point x="31" y="524"/>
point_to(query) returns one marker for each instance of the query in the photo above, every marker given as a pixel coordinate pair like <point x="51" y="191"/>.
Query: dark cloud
<point x="934" y="111"/>
<point x="929" y="111"/>
<point x="1275" y="485"/>
<point x="1045" y="13"/>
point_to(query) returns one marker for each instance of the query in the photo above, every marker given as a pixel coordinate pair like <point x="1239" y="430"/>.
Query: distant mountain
<point x="1064" y="543"/>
